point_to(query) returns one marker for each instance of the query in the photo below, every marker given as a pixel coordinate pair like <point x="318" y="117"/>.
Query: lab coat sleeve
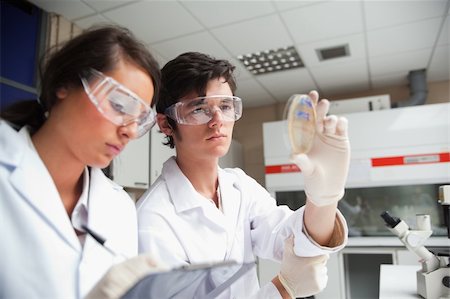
<point x="270" y="224"/>
<point x="305" y="245"/>
<point x="267" y="291"/>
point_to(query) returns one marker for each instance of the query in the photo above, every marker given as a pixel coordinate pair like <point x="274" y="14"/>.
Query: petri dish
<point x="300" y="115"/>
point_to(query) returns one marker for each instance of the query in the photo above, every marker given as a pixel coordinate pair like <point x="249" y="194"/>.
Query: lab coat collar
<point x="30" y="177"/>
<point x="12" y="146"/>
<point x="185" y="197"/>
<point x="230" y="192"/>
<point x="183" y="194"/>
<point x="101" y="191"/>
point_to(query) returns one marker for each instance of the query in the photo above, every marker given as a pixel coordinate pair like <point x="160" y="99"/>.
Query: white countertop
<point x="393" y="242"/>
<point x="398" y="282"/>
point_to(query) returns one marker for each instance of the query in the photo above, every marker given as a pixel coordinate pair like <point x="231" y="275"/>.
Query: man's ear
<point x="163" y="124"/>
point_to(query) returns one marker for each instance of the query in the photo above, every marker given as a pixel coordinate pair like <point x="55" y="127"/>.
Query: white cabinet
<point x="141" y="161"/>
<point x="131" y="167"/>
<point x="159" y="153"/>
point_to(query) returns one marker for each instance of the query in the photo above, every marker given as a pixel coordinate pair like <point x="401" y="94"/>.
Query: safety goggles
<point x="117" y="103"/>
<point x="201" y="110"/>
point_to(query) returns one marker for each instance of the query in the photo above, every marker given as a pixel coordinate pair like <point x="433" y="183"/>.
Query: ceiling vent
<point x="270" y="61"/>
<point x="333" y="52"/>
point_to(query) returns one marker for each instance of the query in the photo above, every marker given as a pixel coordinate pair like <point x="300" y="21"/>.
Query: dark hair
<point x="190" y="72"/>
<point x="100" y="48"/>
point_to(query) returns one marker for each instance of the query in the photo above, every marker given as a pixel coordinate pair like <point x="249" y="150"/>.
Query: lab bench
<point x="354" y="272"/>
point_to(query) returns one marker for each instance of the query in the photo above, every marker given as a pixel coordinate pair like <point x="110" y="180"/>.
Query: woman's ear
<point x="62" y="93"/>
<point x="163" y="124"/>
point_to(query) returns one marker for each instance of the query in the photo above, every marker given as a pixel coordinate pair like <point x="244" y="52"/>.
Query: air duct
<point x="418" y="89"/>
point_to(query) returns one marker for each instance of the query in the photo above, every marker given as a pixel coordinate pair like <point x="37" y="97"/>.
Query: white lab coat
<point x="40" y="254"/>
<point x="180" y="226"/>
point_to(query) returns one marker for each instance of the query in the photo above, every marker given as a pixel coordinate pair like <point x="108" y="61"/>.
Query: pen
<point x="102" y="241"/>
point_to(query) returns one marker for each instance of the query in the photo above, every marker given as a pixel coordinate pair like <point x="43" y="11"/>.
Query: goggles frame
<point x="185" y="111"/>
<point x="108" y="96"/>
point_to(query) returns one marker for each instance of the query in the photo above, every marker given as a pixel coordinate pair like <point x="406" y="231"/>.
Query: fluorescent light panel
<point x="270" y="61"/>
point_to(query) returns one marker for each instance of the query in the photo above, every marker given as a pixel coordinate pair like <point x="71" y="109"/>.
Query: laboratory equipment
<point x="301" y="123"/>
<point x="390" y="147"/>
<point x="433" y="280"/>
<point x="393" y="155"/>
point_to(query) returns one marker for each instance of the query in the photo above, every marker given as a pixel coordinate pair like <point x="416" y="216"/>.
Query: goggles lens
<point x="202" y="109"/>
<point x="117" y="103"/>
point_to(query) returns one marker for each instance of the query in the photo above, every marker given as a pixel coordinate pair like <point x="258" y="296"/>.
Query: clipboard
<point x="202" y="281"/>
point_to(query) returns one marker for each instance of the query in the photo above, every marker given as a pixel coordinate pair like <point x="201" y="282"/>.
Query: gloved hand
<point x="302" y="276"/>
<point x="325" y="166"/>
<point x="121" y="277"/>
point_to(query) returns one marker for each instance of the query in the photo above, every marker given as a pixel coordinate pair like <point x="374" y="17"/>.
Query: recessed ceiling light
<point x="268" y="61"/>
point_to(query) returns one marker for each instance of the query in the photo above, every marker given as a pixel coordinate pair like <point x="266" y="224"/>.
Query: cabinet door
<point x="131" y="167"/>
<point x="159" y="153"/>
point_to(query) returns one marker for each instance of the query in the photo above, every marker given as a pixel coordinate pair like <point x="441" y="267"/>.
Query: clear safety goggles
<point x="117" y="103"/>
<point x="201" y="110"/>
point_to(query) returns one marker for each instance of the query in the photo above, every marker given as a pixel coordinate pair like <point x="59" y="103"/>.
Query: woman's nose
<point x="129" y="130"/>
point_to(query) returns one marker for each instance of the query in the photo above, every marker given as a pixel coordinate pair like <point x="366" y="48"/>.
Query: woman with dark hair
<point x="96" y="93"/>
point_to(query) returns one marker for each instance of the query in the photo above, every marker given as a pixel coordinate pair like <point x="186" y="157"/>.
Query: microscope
<point x="433" y="280"/>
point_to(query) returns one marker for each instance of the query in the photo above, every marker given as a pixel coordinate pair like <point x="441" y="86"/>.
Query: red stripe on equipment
<point x="411" y="159"/>
<point x="285" y="168"/>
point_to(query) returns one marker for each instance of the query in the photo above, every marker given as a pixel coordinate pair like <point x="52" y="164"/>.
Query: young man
<point x="197" y="212"/>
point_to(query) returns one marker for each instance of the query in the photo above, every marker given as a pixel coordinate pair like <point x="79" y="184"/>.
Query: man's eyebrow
<point x="196" y="102"/>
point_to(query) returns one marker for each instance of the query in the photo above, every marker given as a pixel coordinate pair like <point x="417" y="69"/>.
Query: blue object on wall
<point x="20" y="31"/>
<point x="9" y="95"/>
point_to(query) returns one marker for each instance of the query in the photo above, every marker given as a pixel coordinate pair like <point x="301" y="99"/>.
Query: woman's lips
<point x="115" y="149"/>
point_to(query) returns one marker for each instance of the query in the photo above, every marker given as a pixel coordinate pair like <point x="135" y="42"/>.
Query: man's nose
<point x="216" y="117"/>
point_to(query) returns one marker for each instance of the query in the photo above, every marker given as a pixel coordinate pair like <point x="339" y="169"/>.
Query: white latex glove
<point x="325" y="166"/>
<point x="302" y="276"/>
<point x="121" y="277"/>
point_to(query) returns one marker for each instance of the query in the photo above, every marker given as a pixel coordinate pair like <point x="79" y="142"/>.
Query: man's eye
<point x="226" y="107"/>
<point x="198" y="110"/>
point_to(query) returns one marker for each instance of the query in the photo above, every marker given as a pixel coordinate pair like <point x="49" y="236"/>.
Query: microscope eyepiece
<point x="390" y="221"/>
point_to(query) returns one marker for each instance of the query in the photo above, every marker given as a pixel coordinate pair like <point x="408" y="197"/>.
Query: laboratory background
<point x="383" y="64"/>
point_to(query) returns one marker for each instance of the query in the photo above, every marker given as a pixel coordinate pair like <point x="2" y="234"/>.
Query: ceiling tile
<point x="322" y="21"/>
<point x="154" y="21"/>
<point x="439" y="69"/>
<point x="198" y="42"/>
<point x="91" y="21"/>
<point x="230" y="11"/>
<point x="70" y="9"/>
<point x="412" y="36"/>
<point x="398" y="62"/>
<point x="355" y="44"/>
<point x="252" y="36"/>
<point x="381" y="14"/>
<point x="388" y="80"/>
<point x="343" y="77"/>
<point x="253" y="94"/>
<point x="159" y="58"/>
<point x="283" y="84"/>
<point x="285" y="5"/>
<point x="400" y="37"/>
<point x="102" y="5"/>
<point x="444" y="37"/>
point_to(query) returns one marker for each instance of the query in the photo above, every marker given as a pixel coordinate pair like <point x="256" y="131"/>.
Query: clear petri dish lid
<point x="300" y="123"/>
